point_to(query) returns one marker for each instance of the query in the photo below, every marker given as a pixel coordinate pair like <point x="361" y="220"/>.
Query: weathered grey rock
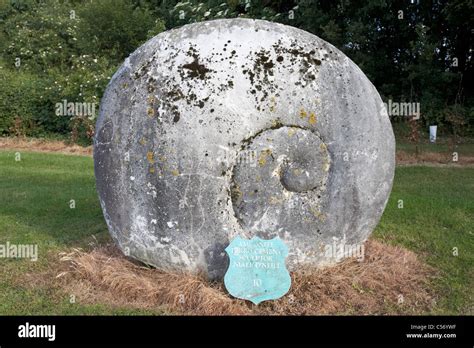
<point x="240" y="127"/>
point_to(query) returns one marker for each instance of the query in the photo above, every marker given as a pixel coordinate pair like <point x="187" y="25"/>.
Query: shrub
<point x="63" y="50"/>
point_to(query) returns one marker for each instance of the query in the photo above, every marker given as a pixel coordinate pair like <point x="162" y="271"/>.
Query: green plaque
<point x="257" y="270"/>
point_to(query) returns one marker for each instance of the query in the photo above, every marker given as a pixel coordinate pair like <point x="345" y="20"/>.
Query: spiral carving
<point x="240" y="128"/>
<point x="289" y="174"/>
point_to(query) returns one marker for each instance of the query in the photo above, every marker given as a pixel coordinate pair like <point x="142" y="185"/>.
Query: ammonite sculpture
<point x="240" y="127"/>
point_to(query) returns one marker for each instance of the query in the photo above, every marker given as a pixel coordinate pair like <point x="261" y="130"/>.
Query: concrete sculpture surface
<point x="244" y="128"/>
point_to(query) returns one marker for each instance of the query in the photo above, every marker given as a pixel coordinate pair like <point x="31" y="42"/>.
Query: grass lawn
<point x="36" y="193"/>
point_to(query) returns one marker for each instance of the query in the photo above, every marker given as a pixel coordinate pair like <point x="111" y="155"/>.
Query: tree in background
<point x="63" y="50"/>
<point x="413" y="51"/>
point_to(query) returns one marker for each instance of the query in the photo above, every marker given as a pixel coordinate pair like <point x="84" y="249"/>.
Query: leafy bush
<point x="63" y="50"/>
<point x="17" y="106"/>
<point x="114" y="29"/>
<point x="55" y="50"/>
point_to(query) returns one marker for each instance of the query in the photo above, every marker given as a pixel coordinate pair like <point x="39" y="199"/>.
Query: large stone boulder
<point x="240" y="127"/>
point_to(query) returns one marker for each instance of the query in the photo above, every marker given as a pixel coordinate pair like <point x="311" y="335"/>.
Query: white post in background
<point x="433" y="134"/>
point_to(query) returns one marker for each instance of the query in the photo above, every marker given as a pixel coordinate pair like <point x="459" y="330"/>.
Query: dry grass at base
<point x="387" y="275"/>
<point x="43" y="145"/>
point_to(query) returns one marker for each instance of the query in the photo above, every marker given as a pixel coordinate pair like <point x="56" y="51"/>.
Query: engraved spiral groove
<point x="246" y="128"/>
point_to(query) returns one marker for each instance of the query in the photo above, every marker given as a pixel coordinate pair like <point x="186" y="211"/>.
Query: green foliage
<point x="70" y="48"/>
<point x="41" y="37"/>
<point x="408" y="55"/>
<point x="115" y="29"/>
<point x="185" y="12"/>
<point x="17" y="106"/>
<point x="63" y="50"/>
